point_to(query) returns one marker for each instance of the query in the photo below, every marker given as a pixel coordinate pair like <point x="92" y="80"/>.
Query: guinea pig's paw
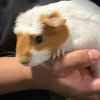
<point x="54" y="55"/>
<point x="63" y="51"/>
<point x="58" y="53"/>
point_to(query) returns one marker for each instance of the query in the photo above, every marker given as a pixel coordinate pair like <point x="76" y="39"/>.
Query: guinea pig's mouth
<point x="23" y="60"/>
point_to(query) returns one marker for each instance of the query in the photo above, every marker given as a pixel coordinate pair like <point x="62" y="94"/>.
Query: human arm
<point x="16" y="77"/>
<point x="13" y="75"/>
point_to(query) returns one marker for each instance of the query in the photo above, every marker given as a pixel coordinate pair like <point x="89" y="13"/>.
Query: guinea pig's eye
<point x="39" y="39"/>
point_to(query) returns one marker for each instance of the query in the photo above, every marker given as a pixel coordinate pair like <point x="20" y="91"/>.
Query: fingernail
<point x="94" y="55"/>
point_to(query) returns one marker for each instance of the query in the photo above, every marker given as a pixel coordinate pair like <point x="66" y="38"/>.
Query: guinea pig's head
<point x="38" y="39"/>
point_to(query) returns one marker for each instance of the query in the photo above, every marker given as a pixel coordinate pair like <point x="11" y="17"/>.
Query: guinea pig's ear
<point x="54" y="21"/>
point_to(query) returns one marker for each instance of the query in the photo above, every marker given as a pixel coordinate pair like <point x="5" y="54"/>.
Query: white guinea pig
<point x="62" y="26"/>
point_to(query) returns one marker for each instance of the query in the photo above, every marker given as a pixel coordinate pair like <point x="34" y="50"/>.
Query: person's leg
<point x="27" y="95"/>
<point x="54" y="96"/>
<point x="3" y="4"/>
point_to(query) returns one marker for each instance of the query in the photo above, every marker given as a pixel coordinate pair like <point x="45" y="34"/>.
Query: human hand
<point x="69" y="75"/>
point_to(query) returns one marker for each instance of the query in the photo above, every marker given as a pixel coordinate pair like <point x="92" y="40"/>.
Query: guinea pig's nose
<point x="24" y="62"/>
<point x="23" y="59"/>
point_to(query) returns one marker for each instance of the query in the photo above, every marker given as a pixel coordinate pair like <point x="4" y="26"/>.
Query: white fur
<point x="83" y="21"/>
<point x="29" y="23"/>
<point x="39" y="57"/>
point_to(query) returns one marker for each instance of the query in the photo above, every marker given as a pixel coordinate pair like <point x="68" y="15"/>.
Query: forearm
<point x="14" y="76"/>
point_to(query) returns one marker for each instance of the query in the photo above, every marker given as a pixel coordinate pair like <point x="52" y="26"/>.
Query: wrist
<point x="34" y="78"/>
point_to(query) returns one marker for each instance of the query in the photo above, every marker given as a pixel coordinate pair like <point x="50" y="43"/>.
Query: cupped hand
<point x="69" y="75"/>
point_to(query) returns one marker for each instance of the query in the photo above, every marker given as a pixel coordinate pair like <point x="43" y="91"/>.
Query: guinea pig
<point x="54" y="29"/>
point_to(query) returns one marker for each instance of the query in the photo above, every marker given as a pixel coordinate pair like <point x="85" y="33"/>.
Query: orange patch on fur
<point x="44" y="16"/>
<point x="53" y="38"/>
<point x="23" y="47"/>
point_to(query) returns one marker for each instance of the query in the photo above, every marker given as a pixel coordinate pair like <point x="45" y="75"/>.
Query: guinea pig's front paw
<point x="59" y="52"/>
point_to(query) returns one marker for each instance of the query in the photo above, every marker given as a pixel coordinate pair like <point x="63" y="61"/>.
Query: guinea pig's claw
<point x="63" y="52"/>
<point x="58" y="53"/>
<point x="54" y="55"/>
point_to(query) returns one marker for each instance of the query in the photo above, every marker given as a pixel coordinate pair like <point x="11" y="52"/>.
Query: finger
<point x="78" y="59"/>
<point x="96" y="84"/>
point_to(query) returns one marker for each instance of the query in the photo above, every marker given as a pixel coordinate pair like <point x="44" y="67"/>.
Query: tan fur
<point x="23" y="47"/>
<point x="53" y="38"/>
<point x="44" y="16"/>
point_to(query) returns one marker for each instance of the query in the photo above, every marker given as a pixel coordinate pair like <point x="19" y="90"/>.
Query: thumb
<point x="78" y="59"/>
